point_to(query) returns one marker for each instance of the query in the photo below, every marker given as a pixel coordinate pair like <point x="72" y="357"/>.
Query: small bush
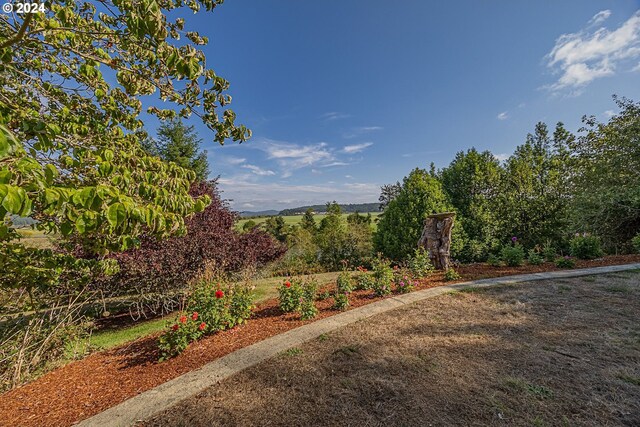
<point x="419" y="263"/>
<point x="565" y="262"/>
<point x="450" y="275"/>
<point x="383" y="277"/>
<point x="289" y="294"/>
<point x="344" y="282"/>
<point x="586" y="247"/>
<point x="549" y="253"/>
<point x="341" y="300"/>
<point x="635" y="242"/>
<point x="534" y="258"/>
<point x="513" y="255"/>
<point x="307" y="307"/>
<point x="363" y="279"/>
<point x="209" y="309"/>
<point x="494" y="261"/>
<point x="405" y="283"/>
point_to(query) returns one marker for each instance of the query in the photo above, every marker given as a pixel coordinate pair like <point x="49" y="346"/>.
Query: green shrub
<point x="586" y="247"/>
<point x="549" y="253"/>
<point x="307" y="307"/>
<point x="513" y="255"/>
<point x="494" y="261"/>
<point x="534" y="258"/>
<point x="451" y="274"/>
<point x="565" y="262"/>
<point x="209" y="309"/>
<point x="289" y="295"/>
<point x="341" y="300"/>
<point x="383" y="277"/>
<point x="404" y="282"/>
<point x="636" y="243"/>
<point x="344" y="282"/>
<point x="419" y="263"/>
<point x="363" y="279"/>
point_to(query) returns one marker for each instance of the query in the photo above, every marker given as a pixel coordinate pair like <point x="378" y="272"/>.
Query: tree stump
<point x="436" y="238"/>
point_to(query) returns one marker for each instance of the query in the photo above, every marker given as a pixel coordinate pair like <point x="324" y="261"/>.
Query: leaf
<point x="116" y="214"/>
<point x="13" y="200"/>
<point x="50" y="172"/>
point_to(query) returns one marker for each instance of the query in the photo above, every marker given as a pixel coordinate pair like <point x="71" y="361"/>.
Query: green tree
<point x="277" y="227"/>
<point x="249" y="225"/>
<point x="179" y="143"/>
<point x="357" y="219"/>
<point x="308" y="222"/>
<point x="472" y="182"/>
<point x="533" y="202"/>
<point x="401" y="223"/>
<point x="605" y="165"/>
<point x="72" y="81"/>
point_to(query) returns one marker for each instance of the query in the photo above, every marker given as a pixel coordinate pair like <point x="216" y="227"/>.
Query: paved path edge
<point x="162" y="397"/>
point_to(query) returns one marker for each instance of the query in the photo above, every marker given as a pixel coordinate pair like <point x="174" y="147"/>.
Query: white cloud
<point x="233" y="160"/>
<point x="356" y="148"/>
<point x="503" y="116"/>
<point x="258" y="170"/>
<point x="357" y="131"/>
<point x="636" y="68"/>
<point x="502" y="156"/>
<point x="600" y="17"/>
<point x="587" y="55"/>
<point x="280" y="196"/>
<point x="348" y="176"/>
<point x="334" y="115"/>
<point x="609" y="113"/>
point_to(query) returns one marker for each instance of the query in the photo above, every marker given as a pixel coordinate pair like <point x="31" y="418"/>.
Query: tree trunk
<point x="436" y="238"/>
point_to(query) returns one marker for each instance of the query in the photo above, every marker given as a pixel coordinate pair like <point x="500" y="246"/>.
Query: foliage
<point x="163" y="267"/>
<point x="533" y="200"/>
<point x="363" y="279"/>
<point x="636" y="243"/>
<point x="494" y="261"/>
<point x="403" y="281"/>
<point x="565" y="262"/>
<point x="307" y="306"/>
<point x="210" y="308"/>
<point x="344" y="282"/>
<point x="419" y="263"/>
<point x="586" y="247"/>
<point x="549" y="252"/>
<point x="382" y="277"/>
<point x="276" y="226"/>
<point x="401" y="224"/>
<point x="534" y="257"/>
<point x="290" y="293"/>
<point x="472" y="181"/>
<point x="249" y="225"/>
<point x="308" y="222"/>
<point x="302" y="257"/>
<point x="341" y="300"/>
<point x="178" y="143"/>
<point x="451" y="275"/>
<point x="605" y="165"/>
<point x="388" y="193"/>
<point x="512" y="254"/>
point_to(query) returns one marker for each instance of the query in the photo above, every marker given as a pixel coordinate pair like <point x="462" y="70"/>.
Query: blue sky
<point x="344" y="96"/>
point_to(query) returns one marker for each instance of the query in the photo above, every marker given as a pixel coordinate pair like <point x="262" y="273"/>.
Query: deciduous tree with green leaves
<point x="72" y="84"/>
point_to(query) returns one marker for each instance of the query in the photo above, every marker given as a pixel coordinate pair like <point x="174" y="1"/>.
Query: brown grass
<point x="563" y="352"/>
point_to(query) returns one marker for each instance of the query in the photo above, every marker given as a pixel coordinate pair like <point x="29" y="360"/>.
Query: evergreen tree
<point x="180" y="144"/>
<point x="308" y="222"/>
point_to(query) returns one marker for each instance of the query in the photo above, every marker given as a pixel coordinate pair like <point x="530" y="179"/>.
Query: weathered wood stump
<point x="436" y="238"/>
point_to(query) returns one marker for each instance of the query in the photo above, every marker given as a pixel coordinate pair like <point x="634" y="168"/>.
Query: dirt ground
<point x="562" y="352"/>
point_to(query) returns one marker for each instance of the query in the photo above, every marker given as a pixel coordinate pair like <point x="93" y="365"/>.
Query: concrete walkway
<point x="151" y="402"/>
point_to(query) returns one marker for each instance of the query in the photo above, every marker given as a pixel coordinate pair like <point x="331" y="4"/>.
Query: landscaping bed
<point x="561" y="352"/>
<point x="101" y="380"/>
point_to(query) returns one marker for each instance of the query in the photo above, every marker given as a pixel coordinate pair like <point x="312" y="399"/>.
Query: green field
<point x="295" y="219"/>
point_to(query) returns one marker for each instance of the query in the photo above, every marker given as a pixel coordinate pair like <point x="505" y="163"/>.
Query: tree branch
<point x="20" y="33"/>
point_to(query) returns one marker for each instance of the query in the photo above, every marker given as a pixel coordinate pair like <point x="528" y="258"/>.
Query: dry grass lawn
<point x="564" y="352"/>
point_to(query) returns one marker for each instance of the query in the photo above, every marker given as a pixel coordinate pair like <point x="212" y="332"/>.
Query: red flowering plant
<point x="211" y="307"/>
<point x="363" y="280"/>
<point x="181" y="332"/>
<point x="289" y="294"/>
<point x="404" y="281"/>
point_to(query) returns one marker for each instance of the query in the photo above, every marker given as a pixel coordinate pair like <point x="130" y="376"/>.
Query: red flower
<point x="175" y="327"/>
<point x="194" y="316"/>
<point x="287" y="284"/>
<point x="202" y="326"/>
<point x="219" y="294"/>
<point x="183" y="319"/>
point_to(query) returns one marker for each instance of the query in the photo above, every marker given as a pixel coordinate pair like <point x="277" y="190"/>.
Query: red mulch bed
<point x="102" y="380"/>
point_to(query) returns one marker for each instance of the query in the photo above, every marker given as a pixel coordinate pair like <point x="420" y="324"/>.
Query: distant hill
<point x="348" y="208"/>
<point x="247" y="214"/>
